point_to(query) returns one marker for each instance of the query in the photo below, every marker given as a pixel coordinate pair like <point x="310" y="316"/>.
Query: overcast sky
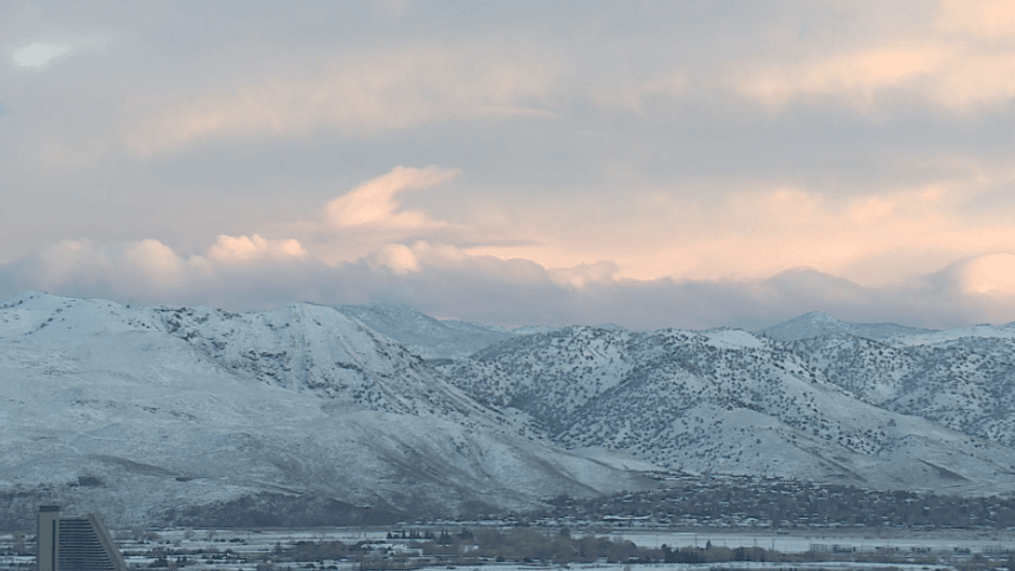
<point x="652" y="164"/>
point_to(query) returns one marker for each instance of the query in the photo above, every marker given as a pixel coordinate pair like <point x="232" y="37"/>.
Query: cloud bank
<point x="448" y="280"/>
<point x="508" y="292"/>
<point x="646" y="163"/>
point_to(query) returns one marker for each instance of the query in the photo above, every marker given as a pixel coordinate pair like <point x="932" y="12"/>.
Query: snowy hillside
<point x="965" y="382"/>
<point x="148" y="414"/>
<point x="157" y="415"/>
<point x="722" y="401"/>
<point x="962" y="378"/>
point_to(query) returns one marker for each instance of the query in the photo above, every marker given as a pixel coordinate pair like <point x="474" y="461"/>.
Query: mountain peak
<point x="818" y="324"/>
<point x="38" y="298"/>
<point x="810" y="324"/>
<point x="818" y="317"/>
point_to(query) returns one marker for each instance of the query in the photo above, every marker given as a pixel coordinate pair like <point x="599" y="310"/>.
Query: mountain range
<point x="310" y="414"/>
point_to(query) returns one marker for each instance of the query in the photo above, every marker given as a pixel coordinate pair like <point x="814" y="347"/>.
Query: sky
<point x="683" y="164"/>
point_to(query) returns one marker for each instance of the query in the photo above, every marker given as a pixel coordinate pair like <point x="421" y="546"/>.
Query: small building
<point x="74" y="543"/>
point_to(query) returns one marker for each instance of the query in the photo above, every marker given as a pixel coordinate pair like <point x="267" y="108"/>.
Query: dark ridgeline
<point x="75" y="543"/>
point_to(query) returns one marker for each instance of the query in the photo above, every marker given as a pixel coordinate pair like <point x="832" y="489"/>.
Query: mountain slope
<point x="963" y="381"/>
<point x="721" y="401"/>
<point x="150" y="414"/>
<point x="307" y="414"/>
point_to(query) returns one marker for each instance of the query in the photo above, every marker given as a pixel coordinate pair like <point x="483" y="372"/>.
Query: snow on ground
<point x="733" y="339"/>
<point x="935" y="337"/>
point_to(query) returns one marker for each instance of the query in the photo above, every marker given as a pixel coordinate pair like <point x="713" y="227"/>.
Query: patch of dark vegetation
<point x="465" y="547"/>
<point x="774" y="503"/>
<point x="526" y="545"/>
<point x="559" y="546"/>
<point x="19" y="508"/>
<point x="417" y="548"/>
<point x="280" y="510"/>
<point x="688" y="503"/>
<point x="89" y="482"/>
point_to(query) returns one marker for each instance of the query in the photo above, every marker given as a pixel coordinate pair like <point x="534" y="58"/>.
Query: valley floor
<point x="373" y="548"/>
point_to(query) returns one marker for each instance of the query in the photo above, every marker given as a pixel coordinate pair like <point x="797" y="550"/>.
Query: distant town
<point x="64" y="542"/>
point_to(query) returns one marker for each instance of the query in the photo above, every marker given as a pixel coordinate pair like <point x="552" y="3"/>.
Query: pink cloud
<point x="399" y="258"/>
<point x="243" y="249"/>
<point x="373" y="202"/>
<point x="992" y="274"/>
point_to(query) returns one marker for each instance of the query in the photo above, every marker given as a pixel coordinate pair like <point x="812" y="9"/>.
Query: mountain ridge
<point x="818" y="324"/>
<point x="179" y="412"/>
<point x="717" y="400"/>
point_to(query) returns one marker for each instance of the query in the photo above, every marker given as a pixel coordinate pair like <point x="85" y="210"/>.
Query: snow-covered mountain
<point x="724" y="401"/>
<point x="964" y="379"/>
<point x="310" y="413"/>
<point x="818" y="324"/>
<point x="154" y="414"/>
